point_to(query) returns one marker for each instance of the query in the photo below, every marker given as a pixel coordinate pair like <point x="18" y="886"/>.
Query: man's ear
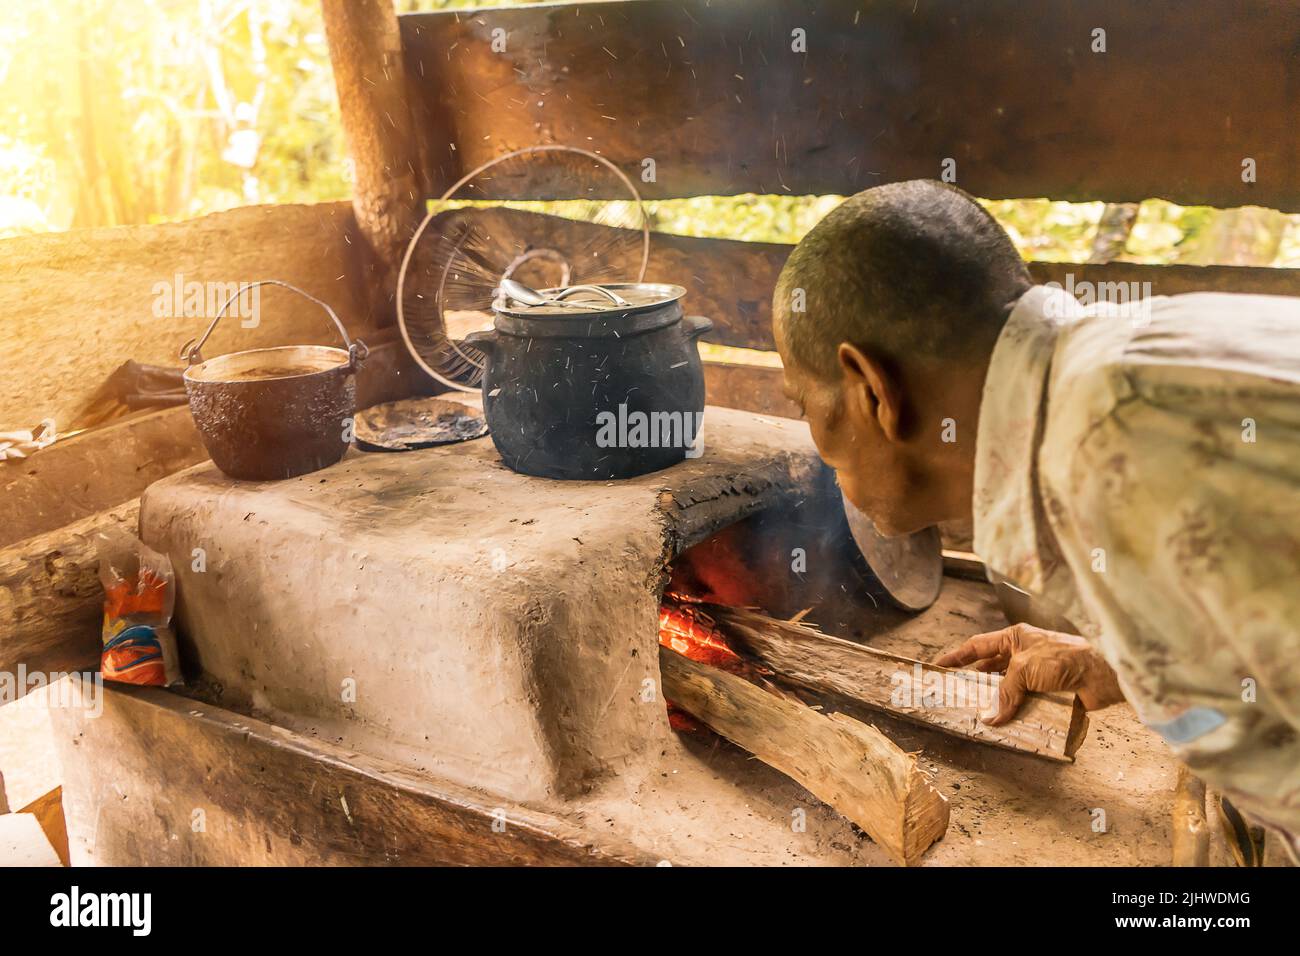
<point x="870" y="392"/>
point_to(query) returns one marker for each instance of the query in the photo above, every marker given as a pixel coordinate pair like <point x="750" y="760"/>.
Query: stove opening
<point x="797" y="562"/>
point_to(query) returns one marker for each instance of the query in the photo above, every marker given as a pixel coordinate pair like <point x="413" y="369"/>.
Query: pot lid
<point x="909" y="567"/>
<point x="578" y="300"/>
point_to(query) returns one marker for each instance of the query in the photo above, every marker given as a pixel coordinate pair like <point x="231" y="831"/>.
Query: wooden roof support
<point x="370" y="76"/>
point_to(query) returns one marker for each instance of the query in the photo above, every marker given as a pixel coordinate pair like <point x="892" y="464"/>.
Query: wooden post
<point x="370" y="76"/>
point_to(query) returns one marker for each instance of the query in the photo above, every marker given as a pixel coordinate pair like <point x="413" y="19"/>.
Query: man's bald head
<point x="908" y="269"/>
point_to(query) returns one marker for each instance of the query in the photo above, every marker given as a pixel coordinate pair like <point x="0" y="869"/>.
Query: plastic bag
<point x="139" y="597"/>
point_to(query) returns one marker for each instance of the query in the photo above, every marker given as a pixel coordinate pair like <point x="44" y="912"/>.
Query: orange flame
<point x="685" y="631"/>
<point x="691" y="633"/>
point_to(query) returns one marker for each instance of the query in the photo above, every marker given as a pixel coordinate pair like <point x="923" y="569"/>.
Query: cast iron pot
<point x="278" y="412"/>
<point x="600" y="382"/>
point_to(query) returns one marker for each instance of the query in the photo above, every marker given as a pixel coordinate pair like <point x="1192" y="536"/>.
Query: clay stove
<point x="437" y="611"/>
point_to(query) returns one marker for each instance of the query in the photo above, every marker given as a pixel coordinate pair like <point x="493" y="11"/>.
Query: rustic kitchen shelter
<point x="533" y="745"/>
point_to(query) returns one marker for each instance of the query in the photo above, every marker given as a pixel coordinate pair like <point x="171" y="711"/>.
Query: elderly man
<point x="1138" y="468"/>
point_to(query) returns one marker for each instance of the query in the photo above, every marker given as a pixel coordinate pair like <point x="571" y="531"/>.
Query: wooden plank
<point x="731" y="282"/>
<point x="755" y="388"/>
<point x="1048" y="725"/>
<point x="850" y="765"/>
<point x="99" y="469"/>
<point x="137" y="775"/>
<point x="78" y="304"/>
<point x="51" y="601"/>
<point x="964" y="564"/>
<point x="721" y="98"/>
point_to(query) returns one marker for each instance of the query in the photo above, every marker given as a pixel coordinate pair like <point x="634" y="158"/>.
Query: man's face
<point x="869" y="467"/>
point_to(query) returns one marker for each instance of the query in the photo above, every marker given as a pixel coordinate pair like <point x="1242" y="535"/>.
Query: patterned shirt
<point x="1138" y="467"/>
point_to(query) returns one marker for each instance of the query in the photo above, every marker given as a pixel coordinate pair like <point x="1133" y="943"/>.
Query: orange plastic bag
<point x="139" y="598"/>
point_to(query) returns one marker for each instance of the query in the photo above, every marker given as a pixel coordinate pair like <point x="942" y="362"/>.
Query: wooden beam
<point x="51" y="600"/>
<point x="731" y="282"/>
<point x="370" y="76"/>
<point x="849" y="765"/>
<point x="1048" y="725"/>
<point x="755" y="388"/>
<point x="1014" y="93"/>
<point x="137" y="773"/>
<point x="96" y="470"/>
<point x="1167" y="280"/>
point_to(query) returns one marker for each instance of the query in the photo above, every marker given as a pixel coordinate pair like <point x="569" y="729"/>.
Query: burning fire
<point x="687" y="630"/>
<point x="690" y="633"/>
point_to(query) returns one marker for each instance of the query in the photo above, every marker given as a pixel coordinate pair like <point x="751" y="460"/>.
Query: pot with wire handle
<point x="274" y="413"/>
<point x="593" y="382"/>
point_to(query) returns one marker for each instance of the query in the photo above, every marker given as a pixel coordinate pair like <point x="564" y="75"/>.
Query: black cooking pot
<point x="597" y="382"/>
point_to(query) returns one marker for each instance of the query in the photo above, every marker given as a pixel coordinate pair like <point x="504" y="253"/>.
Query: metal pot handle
<point x="357" y="351"/>
<point x="697" y="325"/>
<point x="601" y="290"/>
<point x="484" y="340"/>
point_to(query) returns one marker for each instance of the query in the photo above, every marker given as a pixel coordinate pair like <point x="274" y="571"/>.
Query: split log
<point x="849" y="765"/>
<point x="1049" y="725"/>
<point x="51" y="601"/>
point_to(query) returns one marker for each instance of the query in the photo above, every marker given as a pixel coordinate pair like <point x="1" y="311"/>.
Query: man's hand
<point x="1037" y="660"/>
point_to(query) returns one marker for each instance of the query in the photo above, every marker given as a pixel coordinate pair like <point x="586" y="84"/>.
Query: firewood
<point x="51" y="601"/>
<point x="1049" y="725"/>
<point x="849" y="765"/>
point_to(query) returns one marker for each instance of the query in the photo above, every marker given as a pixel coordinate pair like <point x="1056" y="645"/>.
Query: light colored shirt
<point x="1139" y="468"/>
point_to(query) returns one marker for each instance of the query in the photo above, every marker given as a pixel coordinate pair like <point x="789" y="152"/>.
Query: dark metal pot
<point x="599" y="382"/>
<point x="278" y="412"/>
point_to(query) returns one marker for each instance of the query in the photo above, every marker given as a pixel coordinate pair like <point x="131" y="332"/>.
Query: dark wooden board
<point x="1012" y="91"/>
<point x="755" y="388"/>
<point x="731" y="282"/>
<point x="137" y="774"/>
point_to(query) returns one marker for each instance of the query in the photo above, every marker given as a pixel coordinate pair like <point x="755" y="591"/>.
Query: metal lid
<point x="623" y="298"/>
<point x="909" y="567"/>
